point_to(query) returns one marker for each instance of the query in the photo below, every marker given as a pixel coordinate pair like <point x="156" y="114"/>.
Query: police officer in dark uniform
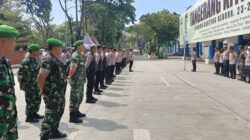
<point x="90" y="66"/>
<point x="104" y="68"/>
<point x="98" y="70"/>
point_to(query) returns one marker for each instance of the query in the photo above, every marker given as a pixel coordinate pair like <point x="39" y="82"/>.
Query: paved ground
<point x="160" y="101"/>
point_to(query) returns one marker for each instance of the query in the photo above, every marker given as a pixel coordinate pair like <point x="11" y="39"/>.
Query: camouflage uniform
<point x="8" y="111"/>
<point x="29" y="69"/>
<point x="54" y="94"/>
<point x="77" y="81"/>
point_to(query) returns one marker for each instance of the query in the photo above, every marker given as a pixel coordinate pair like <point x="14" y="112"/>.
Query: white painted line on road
<point x="164" y="81"/>
<point x="188" y="82"/>
<point x="141" y="134"/>
<point x="72" y="136"/>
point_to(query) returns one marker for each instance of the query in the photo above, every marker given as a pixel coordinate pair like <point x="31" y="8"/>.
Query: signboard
<point x="214" y="19"/>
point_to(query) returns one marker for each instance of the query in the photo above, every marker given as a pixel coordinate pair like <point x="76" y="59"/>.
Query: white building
<point x="208" y="23"/>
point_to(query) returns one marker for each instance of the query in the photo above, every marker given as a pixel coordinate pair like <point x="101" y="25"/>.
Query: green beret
<point x="55" y="42"/>
<point x="78" y="43"/>
<point x="8" y="32"/>
<point x="34" y="47"/>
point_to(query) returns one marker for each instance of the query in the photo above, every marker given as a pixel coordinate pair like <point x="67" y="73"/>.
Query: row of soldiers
<point x="227" y="61"/>
<point x="49" y="80"/>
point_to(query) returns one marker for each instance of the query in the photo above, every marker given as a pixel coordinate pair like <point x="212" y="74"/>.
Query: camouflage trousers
<point x="54" y="109"/>
<point x="76" y="96"/>
<point x="8" y="125"/>
<point x="33" y="101"/>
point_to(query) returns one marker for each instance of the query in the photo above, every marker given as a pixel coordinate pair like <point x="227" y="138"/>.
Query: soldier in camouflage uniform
<point x="27" y="75"/>
<point x="8" y="111"/>
<point x="52" y="81"/>
<point x="77" y="77"/>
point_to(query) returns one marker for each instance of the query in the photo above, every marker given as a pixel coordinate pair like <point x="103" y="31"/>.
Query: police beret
<point x="55" y="42"/>
<point x="78" y="43"/>
<point x="8" y="32"/>
<point x="34" y="47"/>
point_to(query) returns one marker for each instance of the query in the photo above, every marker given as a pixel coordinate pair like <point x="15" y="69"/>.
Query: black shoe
<point x="44" y="138"/>
<point x="31" y="119"/>
<point x="79" y="114"/>
<point x="108" y="83"/>
<point x="74" y="118"/>
<point x="104" y="87"/>
<point x="98" y="90"/>
<point x="131" y="71"/>
<point x="93" y="98"/>
<point x="91" y="101"/>
<point x="36" y="115"/>
<point x="97" y="93"/>
<point x="57" y="134"/>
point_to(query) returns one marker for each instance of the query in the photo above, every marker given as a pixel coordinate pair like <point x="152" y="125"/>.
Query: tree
<point x="10" y="15"/>
<point x="109" y="19"/>
<point x="165" y="25"/>
<point x="64" y="6"/>
<point x="40" y="13"/>
<point x="144" y="37"/>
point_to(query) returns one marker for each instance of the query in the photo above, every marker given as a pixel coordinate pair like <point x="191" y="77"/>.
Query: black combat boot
<point x="103" y="87"/>
<point x="74" y="119"/>
<point x="79" y="114"/>
<point x="31" y="119"/>
<point x="97" y="93"/>
<point x="44" y="138"/>
<point x="36" y="115"/>
<point x="57" y="134"/>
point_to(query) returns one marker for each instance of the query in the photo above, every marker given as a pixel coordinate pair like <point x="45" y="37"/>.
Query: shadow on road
<point x="122" y="78"/>
<point x="115" y="95"/>
<point x="65" y="127"/>
<point x="22" y="125"/>
<point x="120" y="85"/>
<point x="102" y="124"/>
<point x="117" y="89"/>
<point x="110" y="104"/>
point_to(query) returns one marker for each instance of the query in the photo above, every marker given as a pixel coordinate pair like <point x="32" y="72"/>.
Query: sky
<point x="142" y="7"/>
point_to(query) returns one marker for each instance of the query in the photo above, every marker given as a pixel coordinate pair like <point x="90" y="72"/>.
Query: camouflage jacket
<point x="7" y="91"/>
<point x="29" y="70"/>
<point x="56" y="82"/>
<point x="78" y="61"/>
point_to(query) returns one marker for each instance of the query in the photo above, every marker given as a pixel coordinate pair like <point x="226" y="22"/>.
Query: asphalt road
<point x="159" y="101"/>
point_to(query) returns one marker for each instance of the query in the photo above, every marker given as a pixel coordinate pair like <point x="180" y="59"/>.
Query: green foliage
<point x="109" y="19"/>
<point x="39" y="11"/>
<point x="10" y="14"/>
<point x="156" y="29"/>
<point x="164" y="24"/>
